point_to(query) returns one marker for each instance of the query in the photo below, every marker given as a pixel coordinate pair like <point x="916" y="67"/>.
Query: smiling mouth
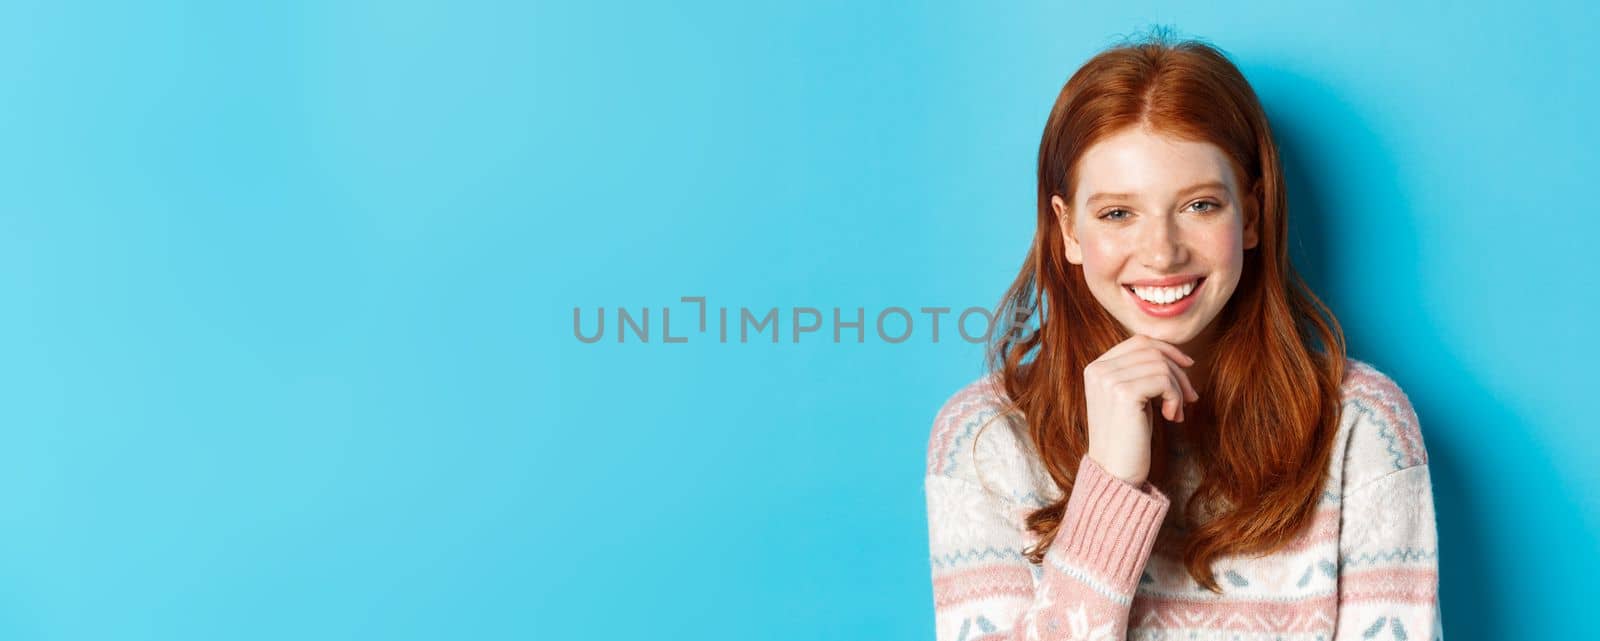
<point x="1164" y="296"/>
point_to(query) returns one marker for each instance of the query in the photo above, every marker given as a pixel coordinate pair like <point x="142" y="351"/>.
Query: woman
<point x="1181" y="449"/>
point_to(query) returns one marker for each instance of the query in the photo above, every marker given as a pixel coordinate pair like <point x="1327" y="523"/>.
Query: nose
<point x="1161" y="246"/>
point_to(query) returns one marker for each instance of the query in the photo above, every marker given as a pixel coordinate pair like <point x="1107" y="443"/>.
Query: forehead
<point x="1138" y="161"/>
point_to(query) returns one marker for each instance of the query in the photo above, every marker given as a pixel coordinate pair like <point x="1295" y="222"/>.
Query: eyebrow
<point x="1184" y="192"/>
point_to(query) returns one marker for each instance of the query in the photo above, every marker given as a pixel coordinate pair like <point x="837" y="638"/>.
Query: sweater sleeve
<point x="985" y="590"/>
<point x="1388" y="560"/>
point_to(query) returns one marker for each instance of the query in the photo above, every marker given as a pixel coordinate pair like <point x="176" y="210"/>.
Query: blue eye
<point x="1211" y="206"/>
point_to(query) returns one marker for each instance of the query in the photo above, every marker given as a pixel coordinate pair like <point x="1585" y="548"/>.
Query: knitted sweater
<point x="1366" y="569"/>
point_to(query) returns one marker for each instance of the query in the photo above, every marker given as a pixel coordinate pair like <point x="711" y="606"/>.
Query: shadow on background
<point x="1325" y="252"/>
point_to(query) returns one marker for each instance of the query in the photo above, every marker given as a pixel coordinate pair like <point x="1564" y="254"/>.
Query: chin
<point x="1169" y="335"/>
<point x="1176" y="334"/>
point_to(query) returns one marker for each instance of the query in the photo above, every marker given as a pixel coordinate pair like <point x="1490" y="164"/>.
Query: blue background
<point x="288" y="291"/>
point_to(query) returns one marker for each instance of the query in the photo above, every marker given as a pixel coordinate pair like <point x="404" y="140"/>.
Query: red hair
<point x="1271" y="407"/>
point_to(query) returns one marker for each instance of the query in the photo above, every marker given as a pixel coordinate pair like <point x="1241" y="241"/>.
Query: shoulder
<point x="1382" y="433"/>
<point x="979" y="439"/>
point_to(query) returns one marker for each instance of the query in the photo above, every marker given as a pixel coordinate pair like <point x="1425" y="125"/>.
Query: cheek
<point x="1102" y="260"/>
<point x="1102" y="255"/>
<point x="1224" y="248"/>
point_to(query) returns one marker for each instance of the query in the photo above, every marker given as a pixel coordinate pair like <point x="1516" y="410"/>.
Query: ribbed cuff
<point x="1110" y="525"/>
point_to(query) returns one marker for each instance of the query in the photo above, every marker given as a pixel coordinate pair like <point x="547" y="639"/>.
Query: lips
<point x="1165" y="281"/>
<point x="1168" y="310"/>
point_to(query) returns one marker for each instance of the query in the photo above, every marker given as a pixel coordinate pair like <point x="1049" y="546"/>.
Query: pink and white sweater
<point x="1366" y="569"/>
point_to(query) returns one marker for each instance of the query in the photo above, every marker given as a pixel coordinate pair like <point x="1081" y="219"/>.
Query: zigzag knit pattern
<point x="1366" y="569"/>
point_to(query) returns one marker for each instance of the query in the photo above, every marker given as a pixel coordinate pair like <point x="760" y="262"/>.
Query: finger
<point x="1167" y="412"/>
<point x="1130" y="344"/>
<point x="1177" y="398"/>
<point x="1164" y="352"/>
<point x="1161" y="407"/>
<point x="1186" y="387"/>
<point x="1171" y="351"/>
<point x="1143" y="341"/>
<point x="1189" y="392"/>
<point x="1152" y="379"/>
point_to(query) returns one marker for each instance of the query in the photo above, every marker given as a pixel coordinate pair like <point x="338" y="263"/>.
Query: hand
<point x="1118" y="389"/>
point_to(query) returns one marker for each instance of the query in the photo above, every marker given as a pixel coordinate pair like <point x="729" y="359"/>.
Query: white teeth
<point x="1164" y="295"/>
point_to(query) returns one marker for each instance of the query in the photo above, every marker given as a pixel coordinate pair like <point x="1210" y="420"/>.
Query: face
<point x="1159" y="227"/>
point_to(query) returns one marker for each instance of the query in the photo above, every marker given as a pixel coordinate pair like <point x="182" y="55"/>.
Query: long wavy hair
<point x="1271" y="406"/>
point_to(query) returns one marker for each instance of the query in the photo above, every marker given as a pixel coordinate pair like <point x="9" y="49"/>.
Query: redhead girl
<point x="1173" y="443"/>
